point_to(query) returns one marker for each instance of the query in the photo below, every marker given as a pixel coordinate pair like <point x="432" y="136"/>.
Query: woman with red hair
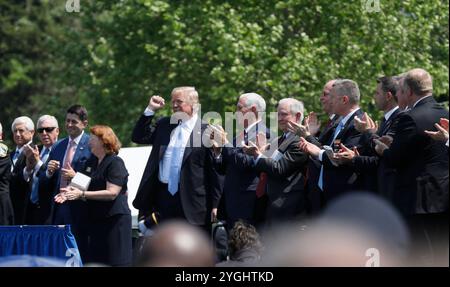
<point x="109" y="214"/>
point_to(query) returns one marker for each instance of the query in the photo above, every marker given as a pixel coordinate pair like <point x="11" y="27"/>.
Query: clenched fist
<point x="156" y="103"/>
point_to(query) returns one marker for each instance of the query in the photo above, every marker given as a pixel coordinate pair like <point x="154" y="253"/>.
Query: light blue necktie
<point x="175" y="163"/>
<point x="34" y="197"/>
<point x="14" y="159"/>
<point x="336" y="133"/>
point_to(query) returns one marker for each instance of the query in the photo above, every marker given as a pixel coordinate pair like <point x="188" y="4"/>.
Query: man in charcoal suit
<point x="284" y="170"/>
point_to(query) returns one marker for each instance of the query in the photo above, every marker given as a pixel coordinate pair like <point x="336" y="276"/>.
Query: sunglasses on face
<point x="48" y="130"/>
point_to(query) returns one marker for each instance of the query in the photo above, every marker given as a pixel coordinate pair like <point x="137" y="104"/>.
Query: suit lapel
<point x="286" y="143"/>
<point x="165" y="140"/>
<point x="328" y="132"/>
<point x="19" y="162"/>
<point x="197" y="131"/>
<point x="82" y="145"/>
<point x="348" y="124"/>
<point x="389" y="122"/>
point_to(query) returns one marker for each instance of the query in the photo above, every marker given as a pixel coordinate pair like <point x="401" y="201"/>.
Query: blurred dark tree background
<point x="113" y="55"/>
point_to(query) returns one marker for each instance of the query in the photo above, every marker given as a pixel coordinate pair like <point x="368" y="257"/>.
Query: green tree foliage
<point x="113" y="55"/>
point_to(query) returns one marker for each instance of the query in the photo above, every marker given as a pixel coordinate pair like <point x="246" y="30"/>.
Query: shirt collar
<point x="387" y="115"/>
<point x="189" y="124"/>
<point x="77" y="139"/>
<point x="347" y="117"/>
<point x="21" y="149"/>
<point x="420" y="100"/>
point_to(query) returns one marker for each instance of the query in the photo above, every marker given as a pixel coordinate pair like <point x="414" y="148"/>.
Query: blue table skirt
<point x="55" y="241"/>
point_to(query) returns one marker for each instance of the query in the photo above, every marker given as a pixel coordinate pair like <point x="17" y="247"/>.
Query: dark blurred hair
<point x="389" y="84"/>
<point x="106" y="135"/>
<point x="80" y="111"/>
<point x="243" y="236"/>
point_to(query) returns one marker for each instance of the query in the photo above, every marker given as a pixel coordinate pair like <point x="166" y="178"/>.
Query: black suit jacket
<point x="369" y="163"/>
<point x="341" y="179"/>
<point x="19" y="189"/>
<point x="45" y="192"/>
<point x="199" y="190"/>
<point x="421" y="162"/>
<point x="285" y="180"/>
<point x="6" y="209"/>
<point x="316" y="197"/>
<point x="241" y="179"/>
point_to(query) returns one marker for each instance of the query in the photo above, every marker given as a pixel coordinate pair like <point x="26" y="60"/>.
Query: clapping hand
<point x="32" y="156"/>
<point x="442" y="131"/>
<point x="380" y="146"/>
<point x="298" y="129"/>
<point x="52" y="166"/>
<point x="67" y="172"/>
<point x="365" y="124"/>
<point x="313" y="123"/>
<point x="345" y="155"/>
<point x="68" y="193"/>
<point x="308" y="147"/>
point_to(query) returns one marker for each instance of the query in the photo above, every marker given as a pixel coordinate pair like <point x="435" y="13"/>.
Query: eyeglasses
<point x="48" y="130"/>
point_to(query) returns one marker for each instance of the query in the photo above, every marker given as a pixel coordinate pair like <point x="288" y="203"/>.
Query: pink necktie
<point x="67" y="161"/>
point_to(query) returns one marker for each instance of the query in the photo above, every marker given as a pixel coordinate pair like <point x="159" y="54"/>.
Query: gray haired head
<point x="50" y="118"/>
<point x="349" y="88"/>
<point x="29" y="125"/>
<point x="254" y="99"/>
<point x="295" y="106"/>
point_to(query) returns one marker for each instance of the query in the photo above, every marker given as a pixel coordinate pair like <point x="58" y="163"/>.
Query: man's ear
<point x="388" y="96"/>
<point x="298" y="116"/>
<point x="345" y="99"/>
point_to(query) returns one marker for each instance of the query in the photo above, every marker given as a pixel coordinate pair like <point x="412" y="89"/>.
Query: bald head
<point x="178" y="244"/>
<point x="416" y="85"/>
<point x="419" y="82"/>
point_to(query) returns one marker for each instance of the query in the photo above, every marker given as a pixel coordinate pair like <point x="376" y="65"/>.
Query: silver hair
<point x="254" y="99"/>
<point x="23" y="120"/>
<point x="295" y="106"/>
<point x="45" y="118"/>
<point x="349" y="88"/>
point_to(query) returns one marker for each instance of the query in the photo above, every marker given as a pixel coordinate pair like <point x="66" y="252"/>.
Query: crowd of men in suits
<point x="198" y="173"/>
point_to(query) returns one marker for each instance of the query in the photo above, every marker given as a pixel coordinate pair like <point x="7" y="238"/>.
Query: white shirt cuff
<point x="27" y="175"/>
<point x="446" y="143"/>
<point x="321" y="155"/>
<point x="148" y="112"/>
<point x="38" y="165"/>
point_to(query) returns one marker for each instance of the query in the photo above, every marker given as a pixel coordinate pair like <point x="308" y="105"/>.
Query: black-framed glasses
<point x="48" y="130"/>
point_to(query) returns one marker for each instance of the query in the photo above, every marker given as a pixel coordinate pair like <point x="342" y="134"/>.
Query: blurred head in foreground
<point x="177" y="244"/>
<point x="357" y="229"/>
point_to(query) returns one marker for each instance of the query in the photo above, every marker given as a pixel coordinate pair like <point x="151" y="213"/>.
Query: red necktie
<point x="261" y="187"/>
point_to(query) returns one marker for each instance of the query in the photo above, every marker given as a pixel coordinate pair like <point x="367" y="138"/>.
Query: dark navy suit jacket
<point x="70" y="212"/>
